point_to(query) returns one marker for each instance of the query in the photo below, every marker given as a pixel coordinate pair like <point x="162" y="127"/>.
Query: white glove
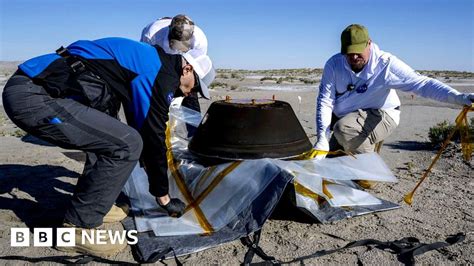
<point x="462" y="99"/>
<point x="320" y="150"/>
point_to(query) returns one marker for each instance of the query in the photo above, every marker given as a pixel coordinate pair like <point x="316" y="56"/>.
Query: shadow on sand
<point x="34" y="140"/>
<point x="287" y="211"/>
<point x="410" y="146"/>
<point x="35" y="193"/>
<point x="78" y="156"/>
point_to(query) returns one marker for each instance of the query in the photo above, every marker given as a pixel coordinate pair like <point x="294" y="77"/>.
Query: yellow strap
<point x="467" y="144"/>
<point x="213" y="185"/>
<point x="325" y="189"/>
<point x="173" y="167"/>
<point x="460" y="120"/>
<point x="194" y="203"/>
<point x="205" y="176"/>
<point x="300" y="189"/>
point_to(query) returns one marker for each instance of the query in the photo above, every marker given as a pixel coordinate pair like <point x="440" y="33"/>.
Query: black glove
<point x="175" y="208"/>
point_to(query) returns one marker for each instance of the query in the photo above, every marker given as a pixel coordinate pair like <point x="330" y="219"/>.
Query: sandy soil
<point x="36" y="180"/>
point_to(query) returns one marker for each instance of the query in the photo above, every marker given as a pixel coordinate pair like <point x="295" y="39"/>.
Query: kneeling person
<point x="71" y="98"/>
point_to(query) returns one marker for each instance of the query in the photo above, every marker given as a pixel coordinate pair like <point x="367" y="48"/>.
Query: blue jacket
<point x="143" y="77"/>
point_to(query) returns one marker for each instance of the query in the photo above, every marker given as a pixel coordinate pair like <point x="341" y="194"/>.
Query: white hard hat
<point x="202" y="66"/>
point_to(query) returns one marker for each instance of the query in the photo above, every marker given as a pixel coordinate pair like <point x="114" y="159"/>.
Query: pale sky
<point x="254" y="34"/>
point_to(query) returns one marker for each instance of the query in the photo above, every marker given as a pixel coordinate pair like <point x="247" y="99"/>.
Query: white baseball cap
<point x="202" y="66"/>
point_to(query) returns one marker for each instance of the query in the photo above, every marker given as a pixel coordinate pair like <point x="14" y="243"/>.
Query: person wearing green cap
<point x="357" y="94"/>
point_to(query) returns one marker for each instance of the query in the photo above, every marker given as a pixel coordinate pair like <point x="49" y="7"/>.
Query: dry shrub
<point x="438" y="133"/>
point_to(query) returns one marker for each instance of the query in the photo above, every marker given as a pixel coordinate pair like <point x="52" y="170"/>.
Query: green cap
<point x="354" y="39"/>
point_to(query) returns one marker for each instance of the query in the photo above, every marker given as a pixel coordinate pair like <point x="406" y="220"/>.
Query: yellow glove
<point x="316" y="154"/>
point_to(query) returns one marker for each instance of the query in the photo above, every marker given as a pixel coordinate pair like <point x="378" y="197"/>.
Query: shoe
<point x="116" y="213"/>
<point x="100" y="250"/>
<point x="366" y="184"/>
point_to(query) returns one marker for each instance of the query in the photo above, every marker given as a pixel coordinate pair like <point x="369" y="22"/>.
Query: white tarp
<point x="218" y="193"/>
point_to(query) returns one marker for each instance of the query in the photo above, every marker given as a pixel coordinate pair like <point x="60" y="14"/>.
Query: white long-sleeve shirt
<point x="383" y="74"/>
<point x="156" y="33"/>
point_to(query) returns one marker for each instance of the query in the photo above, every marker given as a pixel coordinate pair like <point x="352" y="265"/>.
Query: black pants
<point x="115" y="146"/>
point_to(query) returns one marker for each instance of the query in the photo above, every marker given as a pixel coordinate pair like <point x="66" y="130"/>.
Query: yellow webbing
<point x="466" y="144"/>
<point x="213" y="184"/>
<point x="311" y="154"/>
<point x="205" y="176"/>
<point x="300" y="189"/>
<point x="172" y="165"/>
<point x="194" y="203"/>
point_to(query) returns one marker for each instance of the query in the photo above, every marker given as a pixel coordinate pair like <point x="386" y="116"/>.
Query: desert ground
<point x="37" y="179"/>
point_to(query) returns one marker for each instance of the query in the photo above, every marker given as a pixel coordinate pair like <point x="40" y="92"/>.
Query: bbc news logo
<point x="66" y="237"/>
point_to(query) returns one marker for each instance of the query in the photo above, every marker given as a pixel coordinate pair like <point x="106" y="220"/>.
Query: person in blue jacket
<point x="71" y="98"/>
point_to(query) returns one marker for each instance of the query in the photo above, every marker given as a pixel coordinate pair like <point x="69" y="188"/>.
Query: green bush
<point x="216" y="84"/>
<point x="308" y="81"/>
<point x="235" y="76"/>
<point x="222" y="76"/>
<point x="268" y="78"/>
<point x="438" y="133"/>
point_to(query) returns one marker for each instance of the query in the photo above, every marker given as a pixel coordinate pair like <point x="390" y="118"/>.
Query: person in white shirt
<point x="357" y="94"/>
<point x="176" y="35"/>
<point x="179" y="35"/>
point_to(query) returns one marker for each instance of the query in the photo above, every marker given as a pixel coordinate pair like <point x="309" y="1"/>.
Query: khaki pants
<point x="359" y="131"/>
